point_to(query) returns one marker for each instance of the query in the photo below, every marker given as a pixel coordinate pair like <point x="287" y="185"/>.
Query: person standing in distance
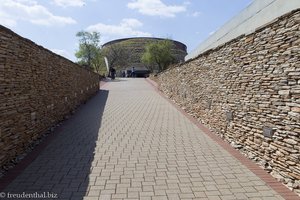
<point x="133" y="72"/>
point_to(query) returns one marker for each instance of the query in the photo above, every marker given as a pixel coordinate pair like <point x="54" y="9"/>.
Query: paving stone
<point x="134" y="144"/>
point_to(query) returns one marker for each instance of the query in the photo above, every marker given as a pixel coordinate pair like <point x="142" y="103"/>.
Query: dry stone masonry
<point x="248" y="91"/>
<point x="37" y="89"/>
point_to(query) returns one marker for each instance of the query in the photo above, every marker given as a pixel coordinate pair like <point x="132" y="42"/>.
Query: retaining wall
<point x="248" y="91"/>
<point x="37" y="89"/>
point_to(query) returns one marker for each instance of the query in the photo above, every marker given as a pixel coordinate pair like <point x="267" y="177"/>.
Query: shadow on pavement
<point x="64" y="166"/>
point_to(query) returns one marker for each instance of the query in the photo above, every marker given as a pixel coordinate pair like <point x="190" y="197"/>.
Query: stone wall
<point x="37" y="89"/>
<point x="248" y="92"/>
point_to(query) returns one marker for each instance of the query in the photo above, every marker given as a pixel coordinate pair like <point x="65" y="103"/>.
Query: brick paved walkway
<point x="128" y="142"/>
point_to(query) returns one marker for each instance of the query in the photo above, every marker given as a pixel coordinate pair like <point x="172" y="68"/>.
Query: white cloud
<point x="12" y="11"/>
<point x="187" y="3"/>
<point x="127" y="28"/>
<point x="130" y="22"/>
<point x="67" y="3"/>
<point x="63" y="53"/>
<point x="156" y="8"/>
<point x="196" y="14"/>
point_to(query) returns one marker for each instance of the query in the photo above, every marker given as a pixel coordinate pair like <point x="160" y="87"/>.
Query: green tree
<point x="117" y="55"/>
<point x="158" y="53"/>
<point x="89" y="48"/>
<point x="98" y="63"/>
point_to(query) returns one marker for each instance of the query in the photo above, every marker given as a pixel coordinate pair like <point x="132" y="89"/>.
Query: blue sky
<point x="54" y="23"/>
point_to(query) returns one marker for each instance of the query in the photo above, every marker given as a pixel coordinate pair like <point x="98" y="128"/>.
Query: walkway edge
<point x="13" y="173"/>
<point x="253" y="167"/>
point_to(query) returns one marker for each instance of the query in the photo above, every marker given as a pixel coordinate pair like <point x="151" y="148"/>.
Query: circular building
<point x="134" y="48"/>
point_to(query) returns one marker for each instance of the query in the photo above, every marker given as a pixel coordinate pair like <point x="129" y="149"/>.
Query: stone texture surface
<point x="244" y="87"/>
<point x="37" y="89"/>
<point x="128" y="142"/>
